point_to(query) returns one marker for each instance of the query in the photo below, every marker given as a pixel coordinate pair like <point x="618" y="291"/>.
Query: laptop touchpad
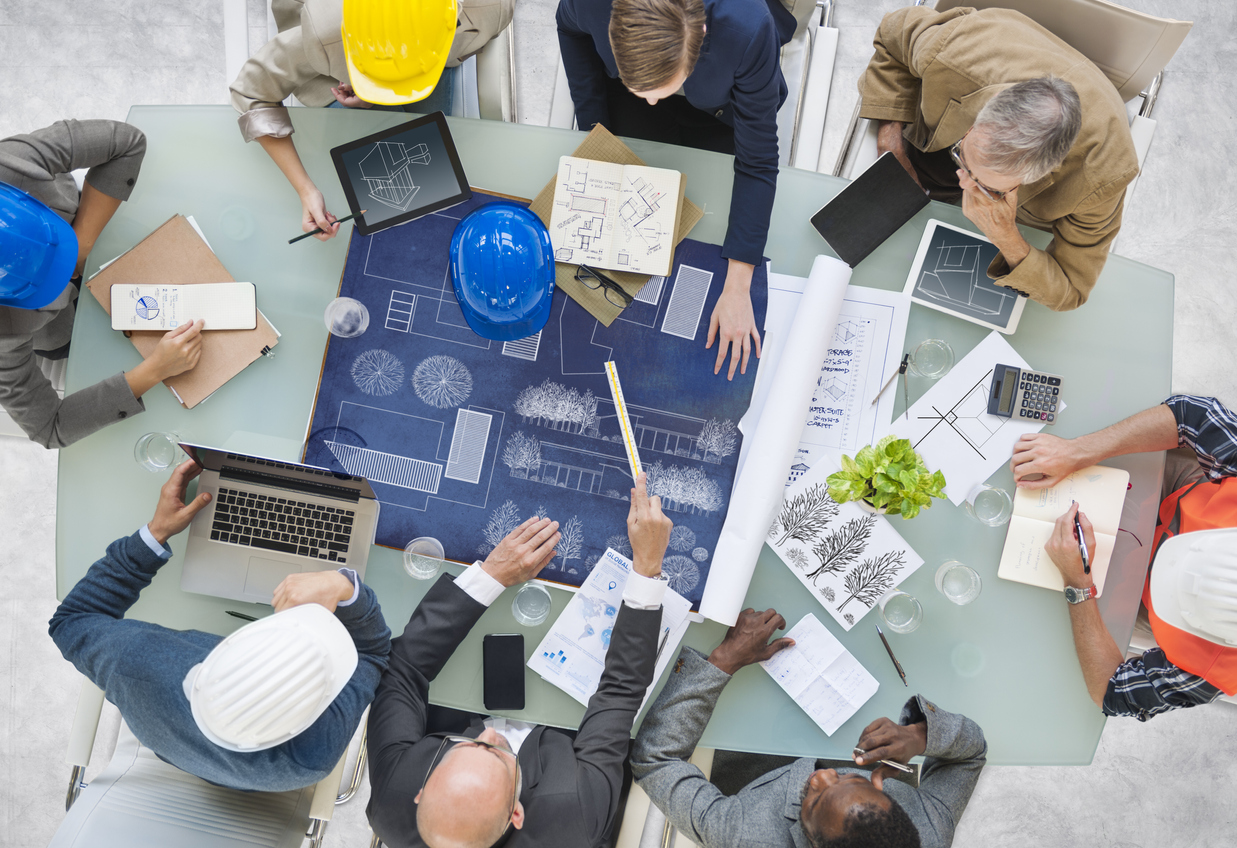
<point x="265" y="574"/>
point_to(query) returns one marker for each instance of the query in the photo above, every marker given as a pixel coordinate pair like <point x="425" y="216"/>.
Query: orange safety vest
<point x="1205" y="505"/>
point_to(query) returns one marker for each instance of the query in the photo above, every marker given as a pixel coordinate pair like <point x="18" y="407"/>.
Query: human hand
<point x="886" y="740"/>
<point x="748" y="641"/>
<point x="172" y="514"/>
<point x="1050" y="456"/>
<point x="889" y="139"/>
<point x="345" y="96"/>
<point x="648" y="529"/>
<point x="733" y="323"/>
<point x="314" y="215"/>
<point x="178" y="351"/>
<point x="1062" y="548"/>
<point x="327" y="588"/>
<point x="997" y="219"/>
<point x="524" y="552"/>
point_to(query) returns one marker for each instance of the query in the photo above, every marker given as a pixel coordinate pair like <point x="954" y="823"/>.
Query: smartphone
<point x="503" y="671"/>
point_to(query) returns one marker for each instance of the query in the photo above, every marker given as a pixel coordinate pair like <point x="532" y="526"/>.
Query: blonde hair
<point x="655" y="40"/>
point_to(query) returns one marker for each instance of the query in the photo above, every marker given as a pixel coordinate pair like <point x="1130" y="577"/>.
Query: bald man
<point x="489" y="779"/>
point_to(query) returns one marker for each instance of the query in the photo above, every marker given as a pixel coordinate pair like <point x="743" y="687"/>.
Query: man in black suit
<point x="520" y="784"/>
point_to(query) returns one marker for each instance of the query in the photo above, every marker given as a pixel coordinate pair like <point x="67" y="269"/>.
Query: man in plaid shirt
<point x="1200" y="478"/>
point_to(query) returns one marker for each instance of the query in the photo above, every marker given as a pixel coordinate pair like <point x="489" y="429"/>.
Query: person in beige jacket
<point x="308" y="59"/>
<point x="982" y="104"/>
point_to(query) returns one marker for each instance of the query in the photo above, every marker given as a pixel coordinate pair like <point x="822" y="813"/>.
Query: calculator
<point x="1020" y="393"/>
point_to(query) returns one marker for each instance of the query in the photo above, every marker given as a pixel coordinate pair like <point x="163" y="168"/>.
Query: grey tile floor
<point x="1161" y="784"/>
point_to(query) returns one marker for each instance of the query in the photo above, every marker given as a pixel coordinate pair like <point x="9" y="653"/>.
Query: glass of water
<point x="531" y="605"/>
<point x="991" y="505"/>
<point x="423" y="557"/>
<point x="901" y="612"/>
<point x="157" y="452"/>
<point x="932" y="359"/>
<point x="346" y="317"/>
<point x="957" y="582"/>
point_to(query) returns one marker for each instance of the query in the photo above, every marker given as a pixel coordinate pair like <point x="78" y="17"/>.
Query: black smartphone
<point x="503" y="661"/>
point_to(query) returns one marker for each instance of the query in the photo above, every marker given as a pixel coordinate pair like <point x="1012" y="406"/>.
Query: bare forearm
<point x="283" y="152"/>
<point x="142" y="378"/>
<point x="1098" y="653"/>
<point x="1152" y="429"/>
<point x="1014" y="248"/>
<point x="93" y="212"/>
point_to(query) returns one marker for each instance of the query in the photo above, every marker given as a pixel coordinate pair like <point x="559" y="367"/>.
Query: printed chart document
<point x="1100" y="492"/>
<point x="820" y="675"/>
<point x="223" y="306"/>
<point x="617" y="217"/>
<point x="572" y="655"/>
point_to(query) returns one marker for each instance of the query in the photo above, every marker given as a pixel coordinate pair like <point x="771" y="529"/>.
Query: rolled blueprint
<point x="758" y="490"/>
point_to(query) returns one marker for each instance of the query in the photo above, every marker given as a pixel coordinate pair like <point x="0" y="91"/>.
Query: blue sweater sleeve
<point x="586" y="70"/>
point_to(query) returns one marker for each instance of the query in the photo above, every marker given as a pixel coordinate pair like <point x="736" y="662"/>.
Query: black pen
<point x="662" y="646"/>
<point x="315" y="232"/>
<point x="896" y="664"/>
<point x="1082" y="545"/>
<point x="240" y="615"/>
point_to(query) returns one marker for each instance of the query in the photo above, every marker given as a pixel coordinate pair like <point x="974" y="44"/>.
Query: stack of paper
<point x="572" y="655"/>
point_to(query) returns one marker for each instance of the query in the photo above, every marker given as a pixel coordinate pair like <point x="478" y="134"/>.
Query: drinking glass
<point x="901" y="612"/>
<point x="346" y="317"/>
<point x="932" y="359"/>
<point x="531" y="605"/>
<point x="991" y="505"/>
<point x="157" y="452"/>
<point x="422" y="557"/>
<point x="957" y="582"/>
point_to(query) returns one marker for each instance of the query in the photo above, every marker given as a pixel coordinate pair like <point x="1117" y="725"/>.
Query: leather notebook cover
<point x="175" y="253"/>
<point x="869" y="210"/>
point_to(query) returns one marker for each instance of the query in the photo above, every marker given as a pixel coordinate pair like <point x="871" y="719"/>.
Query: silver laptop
<point x="268" y="519"/>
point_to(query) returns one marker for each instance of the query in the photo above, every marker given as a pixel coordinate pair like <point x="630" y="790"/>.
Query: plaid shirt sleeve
<point x="1207" y="427"/>
<point x="1144" y="687"/>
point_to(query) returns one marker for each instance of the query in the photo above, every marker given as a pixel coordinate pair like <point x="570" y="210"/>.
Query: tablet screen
<point x="401" y="173"/>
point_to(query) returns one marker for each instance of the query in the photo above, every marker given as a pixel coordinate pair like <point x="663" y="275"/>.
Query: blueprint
<point x="464" y="438"/>
<point x="950" y="274"/>
<point x="619" y="217"/>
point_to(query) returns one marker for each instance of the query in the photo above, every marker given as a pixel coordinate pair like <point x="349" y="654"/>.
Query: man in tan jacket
<point x="991" y="108"/>
<point x="308" y="58"/>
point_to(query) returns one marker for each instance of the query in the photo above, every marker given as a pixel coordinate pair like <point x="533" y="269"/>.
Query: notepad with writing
<point x="1100" y="492"/>
<point x="221" y="306"/>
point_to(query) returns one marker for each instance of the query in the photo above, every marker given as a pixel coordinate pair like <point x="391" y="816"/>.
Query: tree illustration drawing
<point x="502" y="521"/>
<point x="700" y="554"/>
<point x="522" y="454"/>
<point x="558" y="407"/>
<point x="827" y="592"/>
<point x="873" y="578"/>
<point x="684" y="488"/>
<point x="681" y="573"/>
<point x="377" y="373"/>
<point x="805" y="516"/>
<point x="797" y="558"/>
<point x="571" y="544"/>
<point x="682" y="538"/>
<point x="843" y="546"/>
<point x="442" y="381"/>
<point x="718" y="439"/>
<point x="620" y="543"/>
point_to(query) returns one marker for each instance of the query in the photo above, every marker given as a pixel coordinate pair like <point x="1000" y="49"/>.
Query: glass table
<point x="1007" y="660"/>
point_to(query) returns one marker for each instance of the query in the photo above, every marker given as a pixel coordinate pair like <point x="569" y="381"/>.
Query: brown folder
<point x="175" y="253"/>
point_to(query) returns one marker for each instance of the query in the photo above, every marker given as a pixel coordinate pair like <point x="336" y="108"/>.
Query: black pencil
<point x="320" y="230"/>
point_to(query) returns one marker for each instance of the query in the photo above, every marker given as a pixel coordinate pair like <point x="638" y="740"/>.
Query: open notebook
<point x="1100" y="492"/>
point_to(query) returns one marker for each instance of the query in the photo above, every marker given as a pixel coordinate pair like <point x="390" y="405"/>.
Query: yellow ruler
<point x="620" y="407"/>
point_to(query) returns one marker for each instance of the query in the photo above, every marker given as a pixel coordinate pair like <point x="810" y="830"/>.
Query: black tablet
<point x="401" y="173"/>
<point x="869" y="210"/>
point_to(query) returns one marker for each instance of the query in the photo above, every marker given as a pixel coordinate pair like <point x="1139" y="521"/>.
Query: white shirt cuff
<point x="156" y="548"/>
<point x="356" y="586"/>
<point x="644" y="592"/>
<point x="480" y="586"/>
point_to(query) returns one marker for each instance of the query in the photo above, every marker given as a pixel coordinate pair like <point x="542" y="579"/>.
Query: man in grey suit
<point x="500" y="779"/>
<point x="801" y="805"/>
<point x="39" y="164"/>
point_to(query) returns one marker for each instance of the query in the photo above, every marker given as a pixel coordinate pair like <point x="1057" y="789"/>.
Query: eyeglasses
<point x="500" y="752"/>
<point x="597" y="280"/>
<point x="956" y="153"/>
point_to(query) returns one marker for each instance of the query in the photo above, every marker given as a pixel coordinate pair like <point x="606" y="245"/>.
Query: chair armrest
<point x="85" y="724"/>
<point x="323" y="805"/>
<point x="496" y="78"/>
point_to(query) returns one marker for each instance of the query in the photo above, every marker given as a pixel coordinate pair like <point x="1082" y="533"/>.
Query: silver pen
<point x="859" y="752"/>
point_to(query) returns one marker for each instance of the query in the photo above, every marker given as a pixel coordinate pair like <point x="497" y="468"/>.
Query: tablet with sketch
<point x="401" y="173"/>
<point x="950" y="274"/>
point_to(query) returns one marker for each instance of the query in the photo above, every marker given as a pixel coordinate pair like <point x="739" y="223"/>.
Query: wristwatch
<point x="1077" y="596"/>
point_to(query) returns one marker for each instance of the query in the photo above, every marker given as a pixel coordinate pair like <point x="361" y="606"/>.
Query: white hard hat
<point x="271" y="679"/>
<point x="1194" y="584"/>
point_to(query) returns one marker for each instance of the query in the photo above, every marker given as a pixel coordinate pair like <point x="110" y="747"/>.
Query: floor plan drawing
<point x="950" y="274"/>
<point x="386" y="170"/>
<point x="464" y="439"/>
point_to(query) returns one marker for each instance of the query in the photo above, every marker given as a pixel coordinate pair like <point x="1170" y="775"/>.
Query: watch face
<point x="1074" y="595"/>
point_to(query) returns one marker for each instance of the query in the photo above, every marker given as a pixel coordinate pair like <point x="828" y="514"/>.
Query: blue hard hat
<point x="38" y="251"/>
<point x="502" y="267"/>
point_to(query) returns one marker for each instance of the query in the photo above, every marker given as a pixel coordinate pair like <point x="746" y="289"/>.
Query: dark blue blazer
<point x="737" y="78"/>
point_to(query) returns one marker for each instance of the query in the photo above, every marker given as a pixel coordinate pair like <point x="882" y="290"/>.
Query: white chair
<point x="139" y="801"/>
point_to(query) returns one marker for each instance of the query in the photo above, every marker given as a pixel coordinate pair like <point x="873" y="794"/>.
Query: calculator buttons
<point x="1051" y="418"/>
<point x="1054" y="381"/>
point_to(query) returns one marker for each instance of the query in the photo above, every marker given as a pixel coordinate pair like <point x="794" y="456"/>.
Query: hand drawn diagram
<point x="464" y="438"/>
<point x="848" y="557"/>
<point x="950" y="274"/>
<point x="387" y="172"/>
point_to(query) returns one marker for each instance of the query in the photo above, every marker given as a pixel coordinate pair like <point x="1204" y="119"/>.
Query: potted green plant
<point x="888" y="477"/>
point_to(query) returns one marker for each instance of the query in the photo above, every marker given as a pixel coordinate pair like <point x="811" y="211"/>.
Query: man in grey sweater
<point x="801" y="805"/>
<point x="39" y="164"/>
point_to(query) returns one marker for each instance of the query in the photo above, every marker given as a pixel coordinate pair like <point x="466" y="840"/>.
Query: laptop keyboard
<point x="282" y="524"/>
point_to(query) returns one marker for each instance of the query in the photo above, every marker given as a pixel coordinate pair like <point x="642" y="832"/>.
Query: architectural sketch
<point x="718" y="440"/>
<point x="968" y="417"/>
<point x="386" y="172"/>
<point x="843" y="546"/>
<point x="571" y="544"/>
<point x="804" y="516"/>
<point x="700" y="554"/>
<point x="502" y="521"/>
<point x="682" y="538"/>
<point x="377" y="372"/>
<point x="953" y="275"/>
<point x="684" y="488"/>
<point x="525" y="348"/>
<point x="691" y="288"/>
<point x="469" y="440"/>
<point x="681" y="573"/>
<point x="401" y="309"/>
<point x="620" y="543"/>
<point x="389" y="468"/>
<point x="522" y="454"/>
<point x="442" y="381"/>
<point x="872" y="579"/>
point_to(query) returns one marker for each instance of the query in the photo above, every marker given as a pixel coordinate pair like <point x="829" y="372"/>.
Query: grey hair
<point x="1030" y="128"/>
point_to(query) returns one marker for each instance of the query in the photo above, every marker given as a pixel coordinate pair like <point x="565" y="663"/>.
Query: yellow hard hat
<point x="396" y="49"/>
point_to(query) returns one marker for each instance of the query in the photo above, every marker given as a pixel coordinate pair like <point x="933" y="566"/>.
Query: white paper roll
<point x="758" y="491"/>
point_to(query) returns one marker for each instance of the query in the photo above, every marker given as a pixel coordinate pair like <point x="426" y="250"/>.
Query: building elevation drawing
<point x="464" y="438"/>
<point x="387" y="171"/>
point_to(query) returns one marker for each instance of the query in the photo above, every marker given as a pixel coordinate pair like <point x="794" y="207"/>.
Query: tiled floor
<point x="1162" y="784"/>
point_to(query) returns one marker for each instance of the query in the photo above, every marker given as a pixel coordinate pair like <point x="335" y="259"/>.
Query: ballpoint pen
<point x="859" y="752"/>
<point x="1082" y="544"/>
<point x="240" y="615"/>
<point x="662" y="646"/>
<point x="896" y="664"/>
